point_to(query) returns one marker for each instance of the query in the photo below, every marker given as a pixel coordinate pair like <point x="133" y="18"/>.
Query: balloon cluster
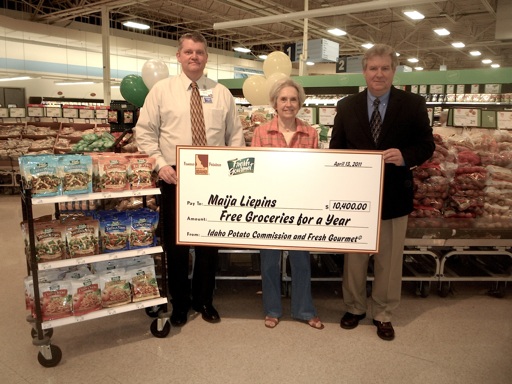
<point x="256" y="88"/>
<point x="135" y="88"/>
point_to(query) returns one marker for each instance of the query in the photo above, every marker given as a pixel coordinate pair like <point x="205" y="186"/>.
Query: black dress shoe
<point x="208" y="312"/>
<point x="350" y="321"/>
<point x="384" y="330"/>
<point x="179" y="317"/>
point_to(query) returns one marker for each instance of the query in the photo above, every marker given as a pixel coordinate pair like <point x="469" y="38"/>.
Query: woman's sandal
<point x="316" y="323"/>
<point x="271" y="322"/>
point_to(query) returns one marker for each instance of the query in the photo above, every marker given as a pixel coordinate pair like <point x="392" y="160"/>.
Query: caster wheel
<point x="424" y="288"/>
<point x="444" y="289"/>
<point x="499" y="289"/>
<point x="56" y="356"/>
<point x="47" y="332"/>
<point x="153" y="311"/>
<point x="160" y="334"/>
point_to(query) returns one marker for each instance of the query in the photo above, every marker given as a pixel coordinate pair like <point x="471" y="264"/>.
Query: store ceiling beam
<point x="320" y="12"/>
<point x="84" y="8"/>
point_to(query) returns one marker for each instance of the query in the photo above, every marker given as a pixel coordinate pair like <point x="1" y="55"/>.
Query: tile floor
<point x="464" y="338"/>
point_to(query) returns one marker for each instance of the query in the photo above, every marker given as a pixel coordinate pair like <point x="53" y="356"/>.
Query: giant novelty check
<point x="284" y="198"/>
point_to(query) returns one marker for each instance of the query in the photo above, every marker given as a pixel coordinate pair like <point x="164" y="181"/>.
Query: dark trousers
<point x="183" y="294"/>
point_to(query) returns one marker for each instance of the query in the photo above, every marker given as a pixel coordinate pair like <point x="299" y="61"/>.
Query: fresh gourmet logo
<point x="239" y="166"/>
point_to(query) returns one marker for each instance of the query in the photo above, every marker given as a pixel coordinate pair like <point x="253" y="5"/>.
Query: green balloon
<point x="134" y="90"/>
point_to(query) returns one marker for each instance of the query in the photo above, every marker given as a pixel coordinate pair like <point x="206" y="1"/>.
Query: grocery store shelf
<point x="101" y="257"/>
<point x="95" y="196"/>
<point x="104" y="312"/>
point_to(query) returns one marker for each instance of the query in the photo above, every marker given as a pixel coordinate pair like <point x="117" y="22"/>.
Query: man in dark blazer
<point x="401" y="130"/>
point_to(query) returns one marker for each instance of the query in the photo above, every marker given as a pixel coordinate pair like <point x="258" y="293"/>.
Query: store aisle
<point x="464" y="338"/>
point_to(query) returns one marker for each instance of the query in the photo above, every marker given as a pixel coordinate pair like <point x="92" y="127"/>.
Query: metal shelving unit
<point x="49" y="354"/>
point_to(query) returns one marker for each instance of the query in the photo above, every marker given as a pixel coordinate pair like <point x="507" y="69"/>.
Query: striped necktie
<point x="197" y="117"/>
<point x="375" y="121"/>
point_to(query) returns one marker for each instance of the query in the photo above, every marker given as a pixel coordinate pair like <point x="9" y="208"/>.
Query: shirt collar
<point x="383" y="99"/>
<point x="201" y="82"/>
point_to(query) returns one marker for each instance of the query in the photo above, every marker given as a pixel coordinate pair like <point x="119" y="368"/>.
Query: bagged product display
<point x="82" y="235"/>
<point x="40" y="173"/>
<point x="143" y="281"/>
<point x="114" y="231"/>
<point x="113" y="173"/>
<point x="86" y="294"/>
<point x="50" y="241"/>
<point x="56" y="300"/>
<point x="143" y="228"/>
<point x="140" y="172"/>
<point x="115" y="288"/>
<point x="76" y="174"/>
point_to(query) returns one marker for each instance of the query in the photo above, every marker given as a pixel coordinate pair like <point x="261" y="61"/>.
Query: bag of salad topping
<point x="40" y="174"/>
<point x="76" y="174"/>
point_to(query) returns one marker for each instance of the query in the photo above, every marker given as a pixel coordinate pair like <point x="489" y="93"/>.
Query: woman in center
<point x="285" y="130"/>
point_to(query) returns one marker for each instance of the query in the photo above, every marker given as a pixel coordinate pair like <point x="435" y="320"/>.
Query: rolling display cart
<point x="50" y="354"/>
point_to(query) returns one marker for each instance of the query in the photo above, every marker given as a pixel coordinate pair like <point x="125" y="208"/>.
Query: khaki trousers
<point x="387" y="284"/>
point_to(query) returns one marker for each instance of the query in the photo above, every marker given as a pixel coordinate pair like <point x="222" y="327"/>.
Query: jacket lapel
<point x="392" y="110"/>
<point x="362" y="113"/>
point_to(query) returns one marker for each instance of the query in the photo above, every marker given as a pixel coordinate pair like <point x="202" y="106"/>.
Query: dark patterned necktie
<point x="197" y="117"/>
<point x="376" y="120"/>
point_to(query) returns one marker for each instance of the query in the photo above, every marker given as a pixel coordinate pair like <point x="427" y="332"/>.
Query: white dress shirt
<point x="164" y="120"/>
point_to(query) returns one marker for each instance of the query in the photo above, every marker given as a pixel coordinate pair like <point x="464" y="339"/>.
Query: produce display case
<point x="470" y="250"/>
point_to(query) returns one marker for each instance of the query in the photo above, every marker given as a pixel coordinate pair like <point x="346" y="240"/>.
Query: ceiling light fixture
<point x="136" y="25"/>
<point x="74" y="82"/>
<point x="309" y="63"/>
<point x="337" y="32"/>
<point x="412" y="60"/>
<point x="475" y="53"/>
<point x="442" y="31"/>
<point x="242" y="49"/>
<point x="495" y="65"/>
<point x="16" y="78"/>
<point x="367" y="45"/>
<point x="458" y="44"/>
<point x="418" y="68"/>
<point x="415" y="15"/>
<point x="486" y="61"/>
<point x="263" y="57"/>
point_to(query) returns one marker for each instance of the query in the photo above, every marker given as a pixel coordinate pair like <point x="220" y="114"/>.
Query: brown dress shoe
<point x="350" y="321"/>
<point x="384" y="330"/>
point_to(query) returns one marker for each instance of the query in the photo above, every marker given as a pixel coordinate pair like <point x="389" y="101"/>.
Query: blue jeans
<point x="302" y="301"/>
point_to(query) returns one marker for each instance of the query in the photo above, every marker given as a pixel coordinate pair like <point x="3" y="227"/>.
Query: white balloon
<point x="274" y="78"/>
<point x="275" y="62"/>
<point x="255" y="90"/>
<point x="154" y="71"/>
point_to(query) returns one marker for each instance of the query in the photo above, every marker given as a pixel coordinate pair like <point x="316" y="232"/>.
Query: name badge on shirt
<point x="206" y="95"/>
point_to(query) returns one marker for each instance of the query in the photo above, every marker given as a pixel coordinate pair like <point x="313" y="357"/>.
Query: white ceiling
<point x="470" y="21"/>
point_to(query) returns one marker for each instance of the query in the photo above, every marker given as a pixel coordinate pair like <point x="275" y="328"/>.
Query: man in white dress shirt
<point x="164" y="123"/>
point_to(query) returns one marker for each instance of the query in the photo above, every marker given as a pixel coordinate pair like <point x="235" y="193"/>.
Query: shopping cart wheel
<point x="163" y="332"/>
<point x="154" y="310"/>
<point x="444" y="288"/>
<point x="424" y="288"/>
<point x="47" y="332"/>
<point x="49" y="356"/>
<point x="498" y="289"/>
